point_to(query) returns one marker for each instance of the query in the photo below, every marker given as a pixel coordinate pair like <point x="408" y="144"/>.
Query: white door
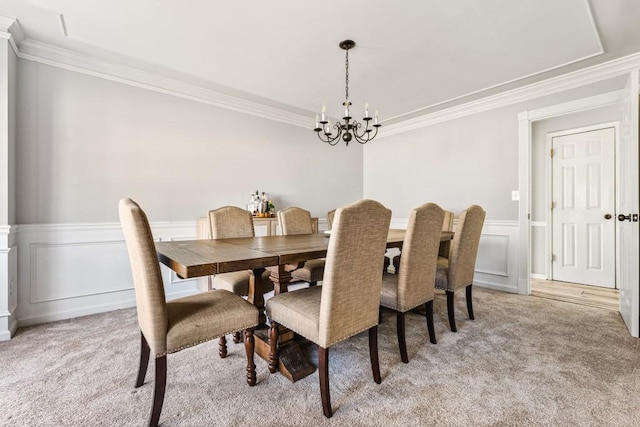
<point x="628" y="237"/>
<point x="583" y="208"/>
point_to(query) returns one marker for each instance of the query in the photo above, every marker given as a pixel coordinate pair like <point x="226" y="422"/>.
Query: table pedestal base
<point x="292" y="363"/>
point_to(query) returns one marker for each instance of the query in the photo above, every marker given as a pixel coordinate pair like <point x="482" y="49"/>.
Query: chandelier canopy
<point x="350" y="129"/>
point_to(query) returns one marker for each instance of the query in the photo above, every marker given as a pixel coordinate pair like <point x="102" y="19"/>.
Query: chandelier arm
<point x="329" y="140"/>
<point x="370" y="136"/>
<point x="360" y="136"/>
<point x="366" y="135"/>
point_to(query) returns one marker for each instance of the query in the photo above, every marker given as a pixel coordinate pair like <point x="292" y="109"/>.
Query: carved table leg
<point x="292" y="362"/>
<point x="256" y="294"/>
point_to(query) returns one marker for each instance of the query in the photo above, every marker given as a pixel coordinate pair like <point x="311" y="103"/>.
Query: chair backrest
<point x="464" y="248"/>
<point x="330" y="216"/>
<point x="353" y="271"/>
<point x="147" y="279"/>
<point x="231" y="222"/>
<point x="447" y="222"/>
<point x="416" y="281"/>
<point x="295" y="221"/>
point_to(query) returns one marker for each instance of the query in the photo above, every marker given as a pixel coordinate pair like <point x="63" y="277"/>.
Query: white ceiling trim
<point x="550" y="86"/>
<point x="63" y="58"/>
<point x="10" y="30"/>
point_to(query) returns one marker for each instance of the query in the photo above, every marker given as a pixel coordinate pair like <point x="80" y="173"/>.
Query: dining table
<point x="280" y="255"/>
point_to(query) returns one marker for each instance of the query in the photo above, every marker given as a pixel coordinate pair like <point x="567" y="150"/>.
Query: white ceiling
<point x="411" y="56"/>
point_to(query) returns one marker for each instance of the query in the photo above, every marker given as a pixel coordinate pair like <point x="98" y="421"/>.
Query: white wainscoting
<point x="8" y="282"/>
<point x="497" y="261"/>
<point x="71" y="270"/>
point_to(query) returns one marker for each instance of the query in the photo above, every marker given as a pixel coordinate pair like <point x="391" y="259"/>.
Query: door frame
<point x="549" y="187"/>
<point x="525" y="140"/>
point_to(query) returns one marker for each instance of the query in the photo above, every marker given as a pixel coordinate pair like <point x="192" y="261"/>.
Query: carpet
<point x="523" y="361"/>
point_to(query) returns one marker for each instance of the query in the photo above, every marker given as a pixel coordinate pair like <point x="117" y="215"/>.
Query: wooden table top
<point x="194" y="258"/>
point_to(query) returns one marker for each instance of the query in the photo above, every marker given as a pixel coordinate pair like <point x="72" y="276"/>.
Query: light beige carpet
<point x="523" y="361"/>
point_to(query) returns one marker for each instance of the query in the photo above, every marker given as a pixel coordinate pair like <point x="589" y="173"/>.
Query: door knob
<point x="607" y="216"/>
<point x="622" y="217"/>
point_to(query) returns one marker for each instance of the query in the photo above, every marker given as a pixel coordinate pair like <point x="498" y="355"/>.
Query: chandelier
<point x="350" y="129"/>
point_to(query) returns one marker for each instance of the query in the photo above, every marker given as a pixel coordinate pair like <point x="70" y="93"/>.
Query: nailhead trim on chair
<point x="335" y="342"/>
<point x="410" y="308"/>
<point x="174" y="350"/>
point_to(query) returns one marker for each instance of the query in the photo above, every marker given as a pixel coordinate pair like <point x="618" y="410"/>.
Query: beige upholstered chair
<point x="348" y="301"/>
<point x="330" y="216"/>
<point x="298" y="221"/>
<point x="231" y="222"/>
<point x="168" y="327"/>
<point x="414" y="285"/>
<point x="447" y="225"/>
<point x="457" y="271"/>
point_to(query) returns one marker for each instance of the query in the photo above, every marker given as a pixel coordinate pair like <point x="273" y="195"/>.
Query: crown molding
<point x="575" y="79"/>
<point x="10" y="30"/>
<point x="63" y="58"/>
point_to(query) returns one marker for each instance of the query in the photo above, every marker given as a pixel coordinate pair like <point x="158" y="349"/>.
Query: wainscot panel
<point x="71" y="270"/>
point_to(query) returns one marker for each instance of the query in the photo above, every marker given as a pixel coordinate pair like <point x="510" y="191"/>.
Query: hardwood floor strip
<point x="591" y="296"/>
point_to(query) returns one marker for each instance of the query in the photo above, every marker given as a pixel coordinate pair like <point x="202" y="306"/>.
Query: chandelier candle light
<point x="350" y="129"/>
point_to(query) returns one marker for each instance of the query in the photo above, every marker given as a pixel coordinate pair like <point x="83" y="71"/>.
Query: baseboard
<point x="6" y="334"/>
<point x="495" y="286"/>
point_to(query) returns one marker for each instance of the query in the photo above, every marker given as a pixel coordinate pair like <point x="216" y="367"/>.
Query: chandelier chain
<point x="346" y="65"/>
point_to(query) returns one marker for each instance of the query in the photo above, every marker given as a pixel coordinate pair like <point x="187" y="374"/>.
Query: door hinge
<point x="553" y="205"/>
<point x="551" y="152"/>
<point x="553" y="257"/>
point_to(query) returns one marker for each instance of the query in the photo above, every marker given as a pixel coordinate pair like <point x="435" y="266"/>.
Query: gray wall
<point x="470" y="160"/>
<point x="7" y="134"/>
<point x="85" y="142"/>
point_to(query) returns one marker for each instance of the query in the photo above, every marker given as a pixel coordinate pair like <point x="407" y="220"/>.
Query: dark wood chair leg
<point x="323" y="374"/>
<point x="373" y="354"/>
<point x="428" y="308"/>
<point x="450" y="311"/>
<point x="402" y="343"/>
<point x="158" y="392"/>
<point x="237" y="337"/>
<point x="249" y="348"/>
<point x="144" y="360"/>
<point x="222" y="347"/>
<point x="470" y="302"/>
<point x="273" y="347"/>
